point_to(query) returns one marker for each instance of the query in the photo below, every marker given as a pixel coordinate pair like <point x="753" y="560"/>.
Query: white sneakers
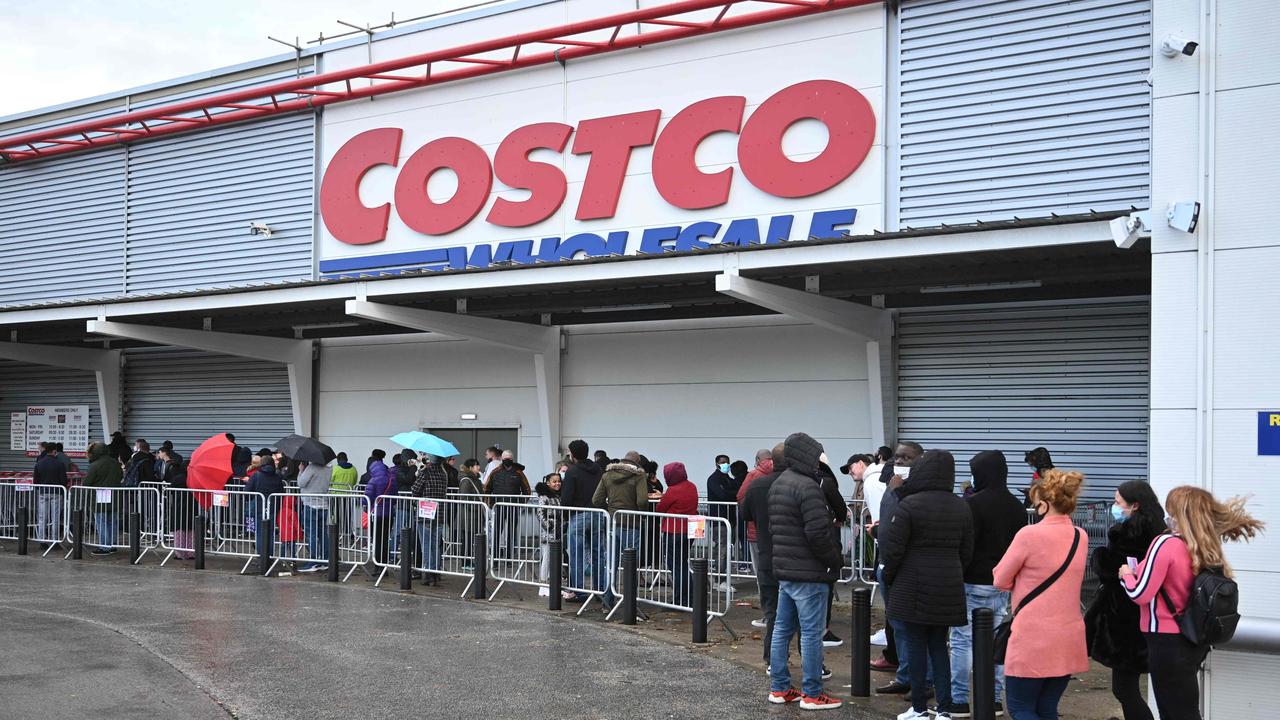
<point x="911" y="714"/>
<point x="879" y="639"/>
<point x="760" y="623"/>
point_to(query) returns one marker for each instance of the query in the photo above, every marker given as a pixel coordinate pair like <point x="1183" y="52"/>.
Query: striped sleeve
<point x="1144" y="585"/>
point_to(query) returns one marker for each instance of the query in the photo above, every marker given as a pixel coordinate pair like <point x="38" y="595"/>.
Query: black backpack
<point x="132" y="473"/>
<point x="1212" y="610"/>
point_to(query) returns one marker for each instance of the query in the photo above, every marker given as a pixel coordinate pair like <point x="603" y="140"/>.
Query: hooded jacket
<point x="624" y="486"/>
<point x="49" y="471"/>
<point x="804" y="544"/>
<point x="380" y="483"/>
<point x="549" y="518"/>
<point x="266" y="480"/>
<point x="580" y="482"/>
<point x="681" y="498"/>
<point x="997" y="515"/>
<point x="507" y="480"/>
<point x="762" y="468"/>
<point x="343" y="477"/>
<point x="104" y="469"/>
<point x="926" y="546"/>
<point x="755" y="510"/>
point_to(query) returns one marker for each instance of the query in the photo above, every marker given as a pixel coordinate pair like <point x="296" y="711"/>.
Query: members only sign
<point x="66" y="424"/>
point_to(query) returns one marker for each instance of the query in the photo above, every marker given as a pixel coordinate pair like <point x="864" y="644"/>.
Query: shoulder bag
<point x="1005" y="630"/>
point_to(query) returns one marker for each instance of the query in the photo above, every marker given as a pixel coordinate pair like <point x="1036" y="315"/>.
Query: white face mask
<point x="902" y="471"/>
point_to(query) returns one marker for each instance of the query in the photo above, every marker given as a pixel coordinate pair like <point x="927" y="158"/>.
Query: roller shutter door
<point x="1072" y="377"/>
<point x="187" y="395"/>
<point x="22" y="385"/>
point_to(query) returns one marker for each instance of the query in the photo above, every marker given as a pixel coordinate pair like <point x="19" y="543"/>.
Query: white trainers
<point x="761" y="623"/>
<point x="911" y="714"/>
<point x="879" y="639"/>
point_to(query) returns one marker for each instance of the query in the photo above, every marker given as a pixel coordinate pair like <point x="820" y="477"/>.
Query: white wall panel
<point x="1238" y="683"/>
<point x="1175" y="124"/>
<point x="1247" y="32"/>
<point x="1241" y="471"/>
<point x="1172" y="454"/>
<point x="1246" y="344"/>
<point x="1248" y="166"/>
<point x="1173" y="330"/>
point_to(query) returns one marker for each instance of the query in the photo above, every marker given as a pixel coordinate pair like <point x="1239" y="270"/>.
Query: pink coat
<point x="1048" y="635"/>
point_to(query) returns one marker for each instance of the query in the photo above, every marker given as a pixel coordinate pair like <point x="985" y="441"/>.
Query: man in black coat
<point x="588" y="542"/>
<point x="926" y="545"/>
<point x="806" y="557"/>
<point x="755" y="509"/>
<point x="997" y="517"/>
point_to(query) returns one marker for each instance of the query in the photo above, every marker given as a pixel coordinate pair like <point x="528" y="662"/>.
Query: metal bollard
<point x="333" y="549"/>
<point x="698" y="567"/>
<point x="406" y="559"/>
<point x="24" y="528"/>
<point x="629" y="586"/>
<point x="860" y="643"/>
<point x="479" y="564"/>
<point x="267" y="526"/>
<point x="77" y="534"/>
<point x="556" y="580"/>
<point x="135" y="538"/>
<point x="983" y="692"/>
<point x="197" y="540"/>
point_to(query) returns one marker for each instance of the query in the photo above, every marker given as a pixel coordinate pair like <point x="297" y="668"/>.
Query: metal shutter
<point x="188" y="395"/>
<point x="1022" y="108"/>
<point x="1071" y="376"/>
<point x="22" y="385"/>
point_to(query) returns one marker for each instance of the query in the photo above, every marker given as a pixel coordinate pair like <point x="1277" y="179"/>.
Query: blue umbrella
<point x="425" y="443"/>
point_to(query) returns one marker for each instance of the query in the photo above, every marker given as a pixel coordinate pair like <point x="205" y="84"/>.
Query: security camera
<point x="1174" y="46"/>
<point x="257" y="228"/>
<point x="1126" y="230"/>
<point x="1183" y="216"/>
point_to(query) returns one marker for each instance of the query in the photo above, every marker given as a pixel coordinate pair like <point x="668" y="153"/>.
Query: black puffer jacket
<point x="1111" y="626"/>
<point x="927" y="544"/>
<point x="997" y="515"/>
<point x="804" y="540"/>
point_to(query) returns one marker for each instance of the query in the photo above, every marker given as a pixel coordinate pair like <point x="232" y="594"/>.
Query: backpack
<point x="131" y="474"/>
<point x="1212" y="610"/>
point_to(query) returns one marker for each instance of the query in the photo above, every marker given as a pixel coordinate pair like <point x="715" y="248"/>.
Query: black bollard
<point x="333" y="549"/>
<point x="77" y="534"/>
<point x="479" y="563"/>
<point x="406" y="558"/>
<point x="629" y="586"/>
<point x="556" y="579"/>
<point x="698" y="566"/>
<point x="197" y="540"/>
<point x="266" y="526"/>
<point x="135" y="537"/>
<point x="24" y="528"/>
<point x="983" y="692"/>
<point x="860" y="643"/>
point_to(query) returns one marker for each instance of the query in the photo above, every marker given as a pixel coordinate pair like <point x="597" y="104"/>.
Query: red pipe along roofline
<point x="333" y="87"/>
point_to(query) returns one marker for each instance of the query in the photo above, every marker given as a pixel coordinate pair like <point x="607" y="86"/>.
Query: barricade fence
<point x="47" y="511"/>
<point x="519" y="540"/>
<point x="300" y="532"/>
<point x="665" y="543"/>
<point x="444" y="532"/>
<point x="107" y="511"/>
<point x="232" y="520"/>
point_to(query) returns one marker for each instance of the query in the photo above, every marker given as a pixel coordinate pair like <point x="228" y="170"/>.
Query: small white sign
<point x="104" y="495"/>
<point x="427" y="509"/>
<point x="24" y="484"/>
<point x="221" y="499"/>
<point x="18" y="431"/>
<point x="697" y="528"/>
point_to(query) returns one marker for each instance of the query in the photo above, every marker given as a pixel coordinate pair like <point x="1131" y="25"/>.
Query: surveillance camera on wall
<point x="1126" y="230"/>
<point x="1183" y="216"/>
<point x="1173" y="46"/>
<point x="257" y="228"/>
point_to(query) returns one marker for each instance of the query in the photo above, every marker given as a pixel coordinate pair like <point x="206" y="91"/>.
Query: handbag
<point x="1005" y="630"/>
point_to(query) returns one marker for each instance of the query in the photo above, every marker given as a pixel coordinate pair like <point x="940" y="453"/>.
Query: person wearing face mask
<point x="722" y="490"/>
<point x="1111" y="622"/>
<point x="895" y="473"/>
<point x="507" y="483"/>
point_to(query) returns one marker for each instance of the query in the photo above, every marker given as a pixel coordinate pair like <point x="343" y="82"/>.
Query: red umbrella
<point x="210" y="466"/>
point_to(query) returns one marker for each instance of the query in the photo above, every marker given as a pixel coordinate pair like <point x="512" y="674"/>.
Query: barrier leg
<point x="135" y="538"/>
<point x="333" y="548"/>
<point x="698" y="566"/>
<point x="197" y="540"/>
<point x="982" y="694"/>
<point x="554" y="578"/>
<point x="77" y="534"/>
<point x="479" y="564"/>
<point x="24" y="528"/>
<point x="406" y="558"/>
<point x="860" y="643"/>
<point x="265" y="526"/>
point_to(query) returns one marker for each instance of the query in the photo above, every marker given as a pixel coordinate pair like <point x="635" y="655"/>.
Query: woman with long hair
<point x="1111" y="622"/>
<point x="1161" y="586"/>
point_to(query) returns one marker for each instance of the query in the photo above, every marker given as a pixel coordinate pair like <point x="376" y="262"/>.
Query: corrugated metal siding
<point x="1072" y="377"/>
<point x="22" y="385"/>
<point x="188" y="395"/>
<point x="1022" y="108"/>
<point x="62" y="228"/>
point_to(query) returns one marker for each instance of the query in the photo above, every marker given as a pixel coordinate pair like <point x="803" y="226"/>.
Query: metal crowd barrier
<point x="519" y="537"/>
<point x="107" y="511"/>
<point x="740" y="563"/>
<point x="665" y="543"/>
<point x="300" y="532"/>
<point x="231" y="522"/>
<point x="444" y="532"/>
<point x="47" y="511"/>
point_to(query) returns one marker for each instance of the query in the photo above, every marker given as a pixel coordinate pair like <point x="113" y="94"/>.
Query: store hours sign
<point x="66" y="424"/>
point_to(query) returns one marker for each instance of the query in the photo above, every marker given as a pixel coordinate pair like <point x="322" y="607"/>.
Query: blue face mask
<point x="1118" y="513"/>
<point x="724" y="468"/>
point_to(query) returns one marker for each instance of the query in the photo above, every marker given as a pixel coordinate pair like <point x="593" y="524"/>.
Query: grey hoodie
<point x="314" y="480"/>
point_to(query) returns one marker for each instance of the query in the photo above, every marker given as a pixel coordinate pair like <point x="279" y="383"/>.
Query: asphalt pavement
<point x="104" y="641"/>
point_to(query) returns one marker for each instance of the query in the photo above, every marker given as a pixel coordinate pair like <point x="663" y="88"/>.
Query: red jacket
<point x="763" y="468"/>
<point x="681" y="498"/>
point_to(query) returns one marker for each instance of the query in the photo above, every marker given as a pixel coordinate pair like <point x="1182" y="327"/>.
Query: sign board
<point x="66" y="424"/>
<point x="427" y="509"/>
<point x="18" y="431"/>
<point x="24" y="483"/>
<point x="1269" y="432"/>
<point x="221" y="499"/>
<point x="696" y="528"/>
<point x="103" y="495"/>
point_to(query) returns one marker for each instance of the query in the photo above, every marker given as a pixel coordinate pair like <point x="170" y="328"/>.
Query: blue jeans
<point x="1034" y="698"/>
<point x="802" y="607"/>
<point x="623" y="538"/>
<point x="930" y="642"/>
<point x="105" y="522"/>
<point x="429" y="539"/>
<point x="588" y="543"/>
<point x="903" y="676"/>
<point x="314" y="525"/>
<point x="976" y="596"/>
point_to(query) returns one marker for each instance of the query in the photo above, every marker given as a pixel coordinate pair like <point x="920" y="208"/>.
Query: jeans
<point x="1034" y="698"/>
<point x="1175" y="666"/>
<point x="676" y="551"/>
<point x="801" y="607"/>
<point x="105" y="522"/>
<point x="315" y="522"/>
<point x="623" y="538"/>
<point x="49" y="516"/>
<point x="976" y="596"/>
<point x="430" y="536"/>
<point x="588" y="544"/>
<point x="928" y="642"/>
<point x="1127" y="689"/>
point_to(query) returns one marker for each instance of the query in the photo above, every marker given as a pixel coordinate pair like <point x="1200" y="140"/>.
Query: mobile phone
<point x="1133" y="563"/>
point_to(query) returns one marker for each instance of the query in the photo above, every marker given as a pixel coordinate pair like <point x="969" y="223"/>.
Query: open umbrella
<point x="210" y="466"/>
<point x="425" y="443"/>
<point x="311" y="450"/>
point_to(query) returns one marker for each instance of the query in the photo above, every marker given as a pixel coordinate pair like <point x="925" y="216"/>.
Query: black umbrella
<point x="311" y="450"/>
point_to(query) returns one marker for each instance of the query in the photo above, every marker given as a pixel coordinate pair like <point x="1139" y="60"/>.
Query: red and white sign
<point x="66" y="424"/>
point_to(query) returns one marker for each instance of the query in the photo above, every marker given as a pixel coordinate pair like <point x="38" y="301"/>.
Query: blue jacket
<point x="49" y="471"/>
<point x="380" y="483"/>
<point x="266" y="480"/>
